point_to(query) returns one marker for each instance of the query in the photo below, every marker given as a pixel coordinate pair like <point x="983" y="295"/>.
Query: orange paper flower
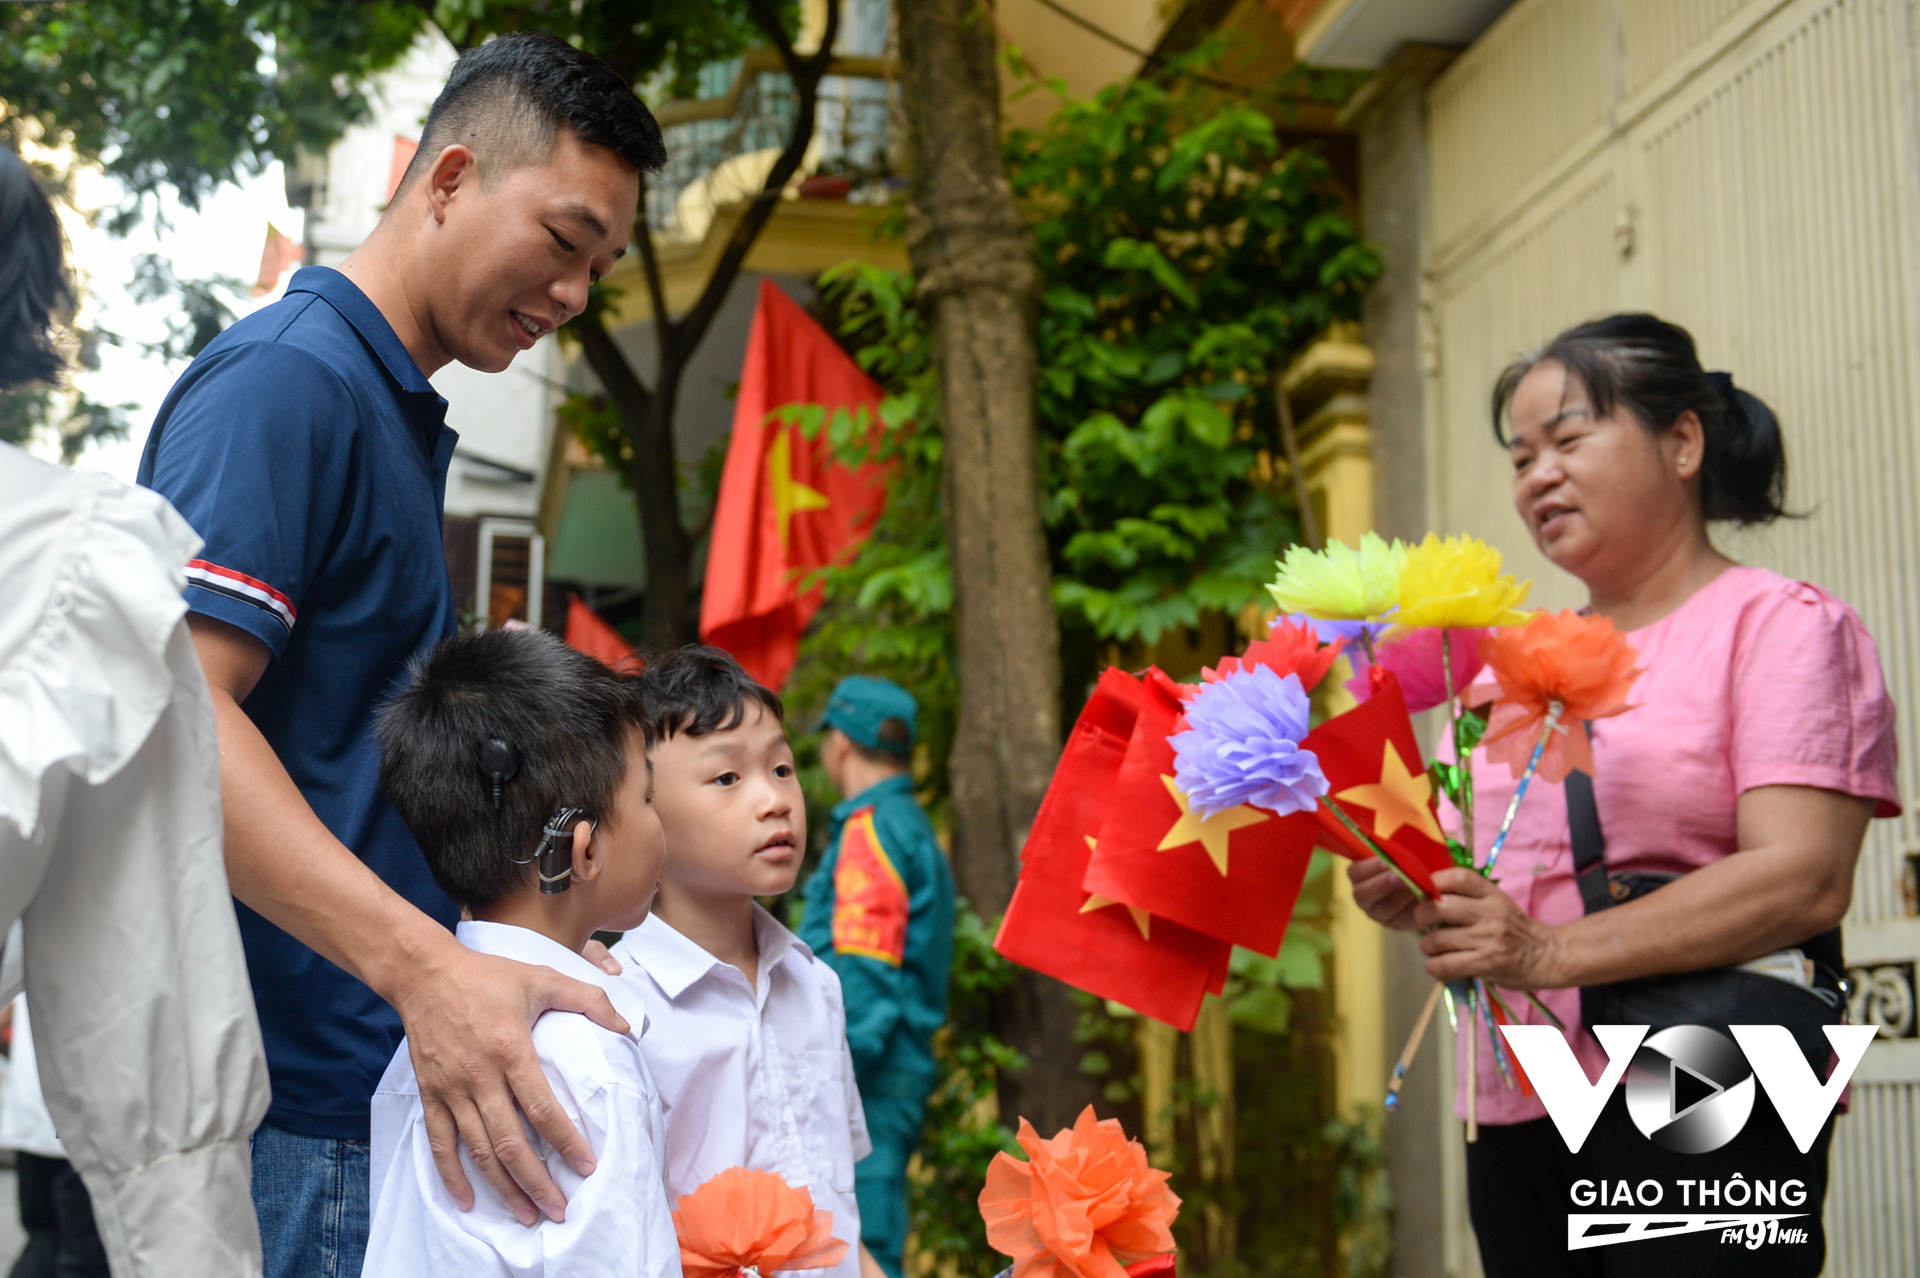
<point x="744" y="1219"/>
<point x="1085" y="1205"/>
<point x="1581" y="662"/>
<point x="1289" y="648"/>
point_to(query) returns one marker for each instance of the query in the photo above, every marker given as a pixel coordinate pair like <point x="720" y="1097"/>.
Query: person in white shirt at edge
<point x="521" y="767"/>
<point x="749" y="1045"/>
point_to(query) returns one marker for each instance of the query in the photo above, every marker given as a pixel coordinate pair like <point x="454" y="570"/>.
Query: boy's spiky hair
<point x="697" y="690"/>
<point x="566" y="715"/>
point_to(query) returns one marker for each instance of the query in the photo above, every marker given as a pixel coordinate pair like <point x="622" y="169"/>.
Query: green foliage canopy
<point x="190" y="93"/>
<point x="1185" y="255"/>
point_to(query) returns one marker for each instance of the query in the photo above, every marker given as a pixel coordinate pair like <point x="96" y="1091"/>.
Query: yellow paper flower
<point x="1457" y="582"/>
<point x="1341" y="583"/>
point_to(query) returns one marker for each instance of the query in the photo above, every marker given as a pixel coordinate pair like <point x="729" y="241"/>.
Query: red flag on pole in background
<point x="279" y="254"/>
<point x="589" y="632"/>
<point x="786" y="506"/>
<point x="1054" y="925"/>
<point x="1233" y="876"/>
<point x="1375" y="774"/>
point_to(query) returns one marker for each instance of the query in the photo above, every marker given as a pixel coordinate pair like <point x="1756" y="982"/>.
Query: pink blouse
<point x="1756" y="680"/>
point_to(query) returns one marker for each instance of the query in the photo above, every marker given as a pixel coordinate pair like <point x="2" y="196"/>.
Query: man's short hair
<point x="697" y="690"/>
<point x="509" y="99"/>
<point x="565" y="715"/>
<point x="33" y="279"/>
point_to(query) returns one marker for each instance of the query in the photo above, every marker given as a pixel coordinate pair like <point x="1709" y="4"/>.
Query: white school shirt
<point x="618" y="1223"/>
<point x="752" y="1076"/>
<point x="110" y="845"/>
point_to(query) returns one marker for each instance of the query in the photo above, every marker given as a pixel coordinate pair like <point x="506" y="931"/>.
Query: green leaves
<point x="1185" y="255"/>
<point x="191" y="93"/>
<point x="1124" y="254"/>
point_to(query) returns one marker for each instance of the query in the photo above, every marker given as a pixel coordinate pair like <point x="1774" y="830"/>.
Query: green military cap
<point x="866" y="708"/>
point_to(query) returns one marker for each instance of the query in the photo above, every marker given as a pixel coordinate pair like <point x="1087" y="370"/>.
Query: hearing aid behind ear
<point x="555" y="857"/>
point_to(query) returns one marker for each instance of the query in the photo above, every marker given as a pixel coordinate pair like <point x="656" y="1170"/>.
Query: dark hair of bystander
<point x="34" y="288"/>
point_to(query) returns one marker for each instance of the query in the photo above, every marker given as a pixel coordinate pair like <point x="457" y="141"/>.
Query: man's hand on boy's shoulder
<point x="468" y="1018"/>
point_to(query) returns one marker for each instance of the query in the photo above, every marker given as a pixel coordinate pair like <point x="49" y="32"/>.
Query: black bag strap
<point x="1589" y="843"/>
<point x="1590" y="869"/>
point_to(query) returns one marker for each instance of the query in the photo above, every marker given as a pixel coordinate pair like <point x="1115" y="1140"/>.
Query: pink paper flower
<point x="1416" y="659"/>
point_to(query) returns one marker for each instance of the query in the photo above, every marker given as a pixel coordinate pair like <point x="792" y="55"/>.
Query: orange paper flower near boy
<point x="1581" y="663"/>
<point x="752" y="1220"/>
<point x="1086" y="1205"/>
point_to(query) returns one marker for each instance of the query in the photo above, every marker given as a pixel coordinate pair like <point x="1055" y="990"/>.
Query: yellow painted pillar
<point x="1327" y="388"/>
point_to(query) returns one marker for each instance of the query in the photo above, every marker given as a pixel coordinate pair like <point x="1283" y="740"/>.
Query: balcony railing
<point x="720" y="149"/>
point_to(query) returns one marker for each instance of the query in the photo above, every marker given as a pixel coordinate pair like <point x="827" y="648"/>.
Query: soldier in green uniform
<point x="880" y="910"/>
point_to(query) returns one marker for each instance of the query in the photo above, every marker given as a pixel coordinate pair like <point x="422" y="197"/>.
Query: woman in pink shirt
<point x="1760" y="745"/>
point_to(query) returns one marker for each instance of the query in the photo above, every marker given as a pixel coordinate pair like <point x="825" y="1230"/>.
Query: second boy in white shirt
<point x="748" y="1041"/>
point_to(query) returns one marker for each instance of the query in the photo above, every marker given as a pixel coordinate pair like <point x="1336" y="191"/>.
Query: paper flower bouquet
<point x="752" y="1222"/>
<point x="1084" y="1204"/>
<point x="1182" y="816"/>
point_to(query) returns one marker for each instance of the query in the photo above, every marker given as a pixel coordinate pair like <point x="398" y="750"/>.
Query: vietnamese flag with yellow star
<point x="1054" y="925"/>
<point x="1233" y="876"/>
<point x="1376" y="775"/>
<point x="787" y="507"/>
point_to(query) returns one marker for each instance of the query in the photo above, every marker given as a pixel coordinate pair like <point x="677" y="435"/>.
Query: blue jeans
<point x="311" y="1196"/>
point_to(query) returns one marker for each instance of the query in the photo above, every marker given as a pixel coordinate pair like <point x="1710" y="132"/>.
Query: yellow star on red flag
<point x="1212" y="832"/>
<point x="1141" y="919"/>
<point x="790" y="496"/>
<point x="1399" y="798"/>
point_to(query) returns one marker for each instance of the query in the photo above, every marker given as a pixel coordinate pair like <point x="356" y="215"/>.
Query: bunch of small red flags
<point x="1182" y="819"/>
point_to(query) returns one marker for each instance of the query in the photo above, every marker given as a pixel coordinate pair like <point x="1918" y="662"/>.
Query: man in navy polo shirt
<point x="307" y="448"/>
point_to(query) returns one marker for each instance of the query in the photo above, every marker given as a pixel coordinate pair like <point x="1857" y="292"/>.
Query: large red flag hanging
<point x="1234" y="876"/>
<point x="1054" y="925"/>
<point x="786" y="507"/>
<point x="1375" y="774"/>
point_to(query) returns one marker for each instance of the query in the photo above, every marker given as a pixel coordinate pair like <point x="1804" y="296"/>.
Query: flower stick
<point x="1551" y="726"/>
<point x="1413" y="1045"/>
<point x="1493" y="1036"/>
<point x="1453" y="724"/>
<point x="1473" y="1075"/>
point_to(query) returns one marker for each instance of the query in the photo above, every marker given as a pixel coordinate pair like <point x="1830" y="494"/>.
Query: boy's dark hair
<point x="33" y="280"/>
<point x="565" y="714"/>
<point x="697" y="690"/>
<point x="509" y="99"/>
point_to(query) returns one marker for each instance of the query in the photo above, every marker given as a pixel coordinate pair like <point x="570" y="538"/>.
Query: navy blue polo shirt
<point x="309" y="452"/>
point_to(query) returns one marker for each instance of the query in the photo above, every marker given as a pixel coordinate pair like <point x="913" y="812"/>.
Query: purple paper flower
<point x="1243" y="746"/>
<point x="1328" y="631"/>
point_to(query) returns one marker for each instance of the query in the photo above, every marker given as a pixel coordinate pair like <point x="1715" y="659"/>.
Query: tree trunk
<point x="654" y="477"/>
<point x="974" y="262"/>
<point x="668" y="618"/>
